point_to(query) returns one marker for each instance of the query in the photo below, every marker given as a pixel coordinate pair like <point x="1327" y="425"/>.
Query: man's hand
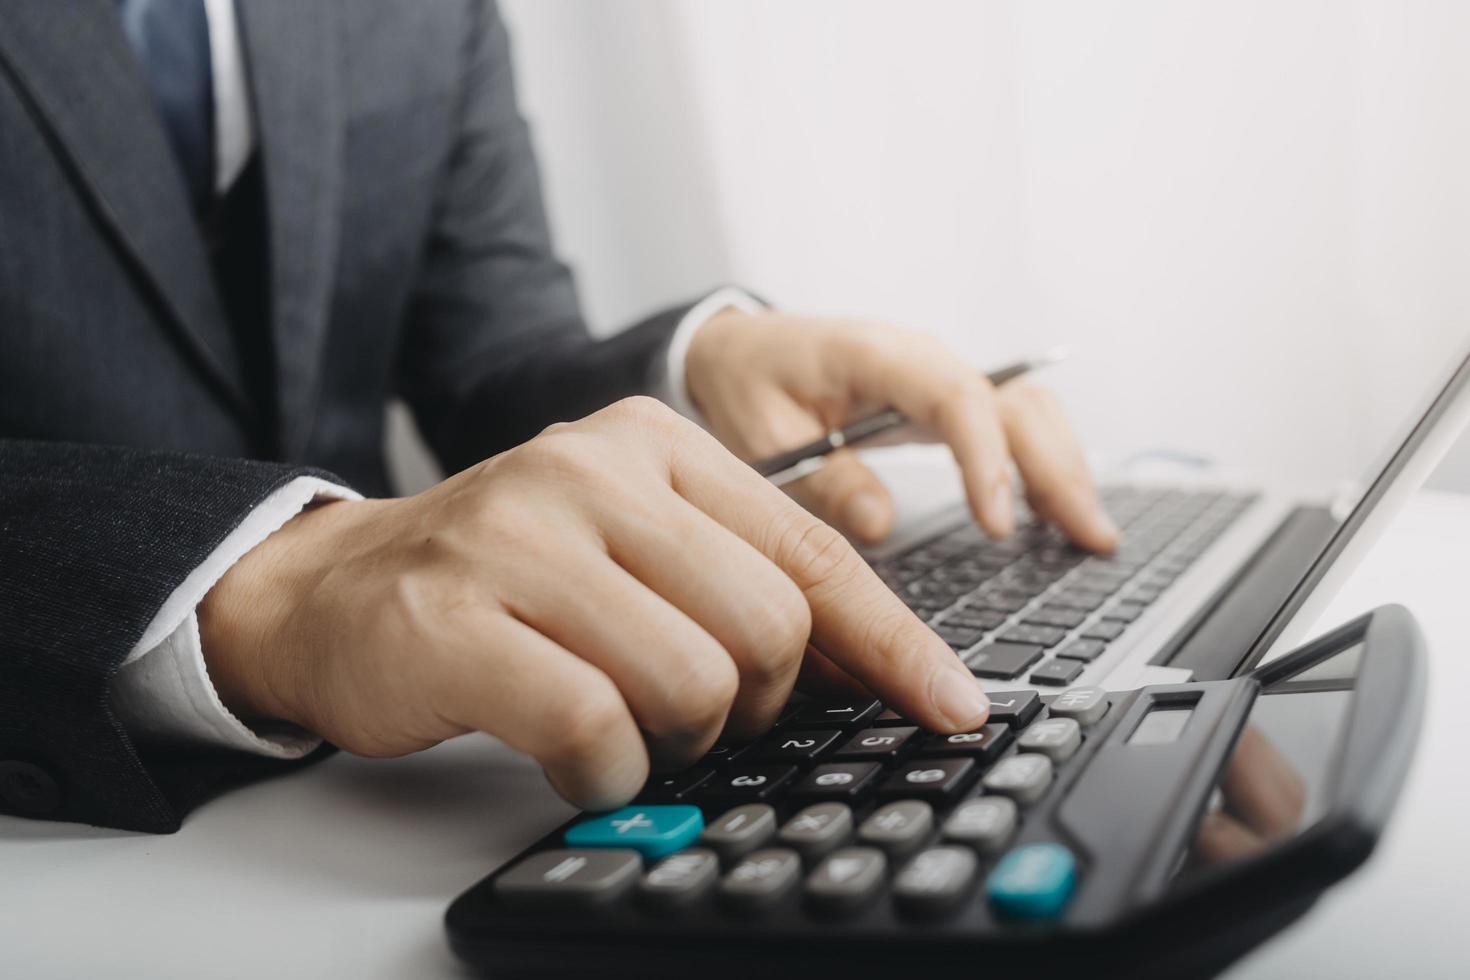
<point x="769" y="382"/>
<point x="615" y="583"/>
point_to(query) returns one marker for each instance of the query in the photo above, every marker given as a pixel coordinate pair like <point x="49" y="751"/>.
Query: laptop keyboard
<point x="1037" y="607"/>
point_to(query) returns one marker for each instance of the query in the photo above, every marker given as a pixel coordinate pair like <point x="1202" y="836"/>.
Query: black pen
<point x="782" y="468"/>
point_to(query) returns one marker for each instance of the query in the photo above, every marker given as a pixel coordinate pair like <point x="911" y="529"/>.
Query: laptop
<point x="1155" y="806"/>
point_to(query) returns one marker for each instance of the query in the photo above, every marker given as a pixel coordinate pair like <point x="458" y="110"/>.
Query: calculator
<point x="1162" y="831"/>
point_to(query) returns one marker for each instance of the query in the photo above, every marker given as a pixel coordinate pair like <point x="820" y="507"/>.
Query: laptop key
<point x="1079" y="598"/>
<point x="1003" y="660"/>
<point x="1014" y="708"/>
<point x="1045" y="636"/>
<point x="1104" y="629"/>
<point x="975" y="618"/>
<point x="935" y="881"/>
<point x="1086" y="650"/>
<point x="898" y="828"/>
<point x="1059" y="616"/>
<point x="1058" y="671"/>
<point x="846" y="880"/>
<point x="1123" y="612"/>
<point x="957" y="636"/>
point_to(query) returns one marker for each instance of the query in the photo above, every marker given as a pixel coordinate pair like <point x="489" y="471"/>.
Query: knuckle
<point x="812" y="552"/>
<point x="579" y="724"/>
<point x="642" y="410"/>
<point x="777" y="628"/>
<point x="697" y="697"/>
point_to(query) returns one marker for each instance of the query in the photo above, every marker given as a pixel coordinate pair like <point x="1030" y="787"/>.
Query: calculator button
<point x="878" y="743"/>
<point x="652" y="831"/>
<point x="1003" y="660"/>
<point x="746" y="784"/>
<point x="1014" y="708"/>
<point x="673" y="787"/>
<point x="929" y="779"/>
<point x="722" y="755"/>
<point x="836" y="781"/>
<point x="735" y="833"/>
<point x="796" y="746"/>
<point x="818" y="829"/>
<point x="846" y="713"/>
<point x="570" y="878"/>
<point x="1057" y="671"/>
<point x="1032" y="882"/>
<point x="1024" y="778"/>
<point x="1084" y="650"/>
<point x="1055" y="738"/>
<point x="898" y="828"/>
<point x="985" y="824"/>
<point x="1085" y="705"/>
<point x="935" y="880"/>
<point x="985" y="744"/>
<point x="761" y="878"/>
<point x="680" y="878"/>
<point x="846" y="879"/>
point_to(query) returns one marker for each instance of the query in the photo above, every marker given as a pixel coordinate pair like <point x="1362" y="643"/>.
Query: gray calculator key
<point x="818" y="829"/>
<point x="1055" y="738"/>
<point x="1085" y="705"/>
<point x="898" y="828"/>
<point x="1024" y="777"/>
<point x="569" y="877"/>
<point x="681" y="878"/>
<point x="985" y="823"/>
<point x="739" y="831"/>
<point x="846" y="879"/>
<point x="935" y="880"/>
<point x="761" y="878"/>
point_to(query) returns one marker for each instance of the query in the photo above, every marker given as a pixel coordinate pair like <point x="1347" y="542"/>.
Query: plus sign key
<point x="653" y="831"/>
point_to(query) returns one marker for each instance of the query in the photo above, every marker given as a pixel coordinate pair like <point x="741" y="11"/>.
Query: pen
<point x="794" y="464"/>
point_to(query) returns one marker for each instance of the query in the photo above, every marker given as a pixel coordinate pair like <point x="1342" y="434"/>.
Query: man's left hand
<point x="768" y="382"/>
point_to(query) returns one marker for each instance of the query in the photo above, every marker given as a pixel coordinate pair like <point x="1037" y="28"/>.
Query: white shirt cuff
<point x="672" y="389"/>
<point x="163" y="692"/>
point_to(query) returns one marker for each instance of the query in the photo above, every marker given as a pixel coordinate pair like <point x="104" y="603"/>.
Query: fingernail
<point x="1109" y="530"/>
<point x="1002" y="512"/>
<point x="959" y="698"/>
<point x="867" y="515"/>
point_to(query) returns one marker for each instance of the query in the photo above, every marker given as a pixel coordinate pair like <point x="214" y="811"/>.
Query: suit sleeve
<point x="495" y="347"/>
<point x="93" y="541"/>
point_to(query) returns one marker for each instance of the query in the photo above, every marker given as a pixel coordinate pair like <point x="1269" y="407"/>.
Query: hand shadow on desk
<point x="426" y="825"/>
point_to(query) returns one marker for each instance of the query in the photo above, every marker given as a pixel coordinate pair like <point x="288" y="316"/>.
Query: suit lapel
<point x="74" y="63"/>
<point x="291" y="50"/>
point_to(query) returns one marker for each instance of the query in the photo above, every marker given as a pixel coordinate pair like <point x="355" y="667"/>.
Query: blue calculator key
<point x="1032" y="882"/>
<point x="653" y="831"/>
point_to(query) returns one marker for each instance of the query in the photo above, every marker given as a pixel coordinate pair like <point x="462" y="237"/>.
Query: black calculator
<point x="1157" y="832"/>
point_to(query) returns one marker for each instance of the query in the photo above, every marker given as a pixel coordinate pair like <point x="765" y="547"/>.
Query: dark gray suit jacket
<point x="404" y="251"/>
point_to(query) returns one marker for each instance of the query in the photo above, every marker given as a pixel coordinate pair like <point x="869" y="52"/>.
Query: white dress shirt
<point x="162" y="691"/>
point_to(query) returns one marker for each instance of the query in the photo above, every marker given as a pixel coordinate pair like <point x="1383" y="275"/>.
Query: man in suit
<point x="229" y="233"/>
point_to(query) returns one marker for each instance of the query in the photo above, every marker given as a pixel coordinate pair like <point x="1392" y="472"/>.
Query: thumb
<point x="847" y="494"/>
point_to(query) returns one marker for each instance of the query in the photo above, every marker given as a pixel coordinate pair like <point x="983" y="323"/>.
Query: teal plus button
<point x="652" y="831"/>
<point x="1032" y="882"/>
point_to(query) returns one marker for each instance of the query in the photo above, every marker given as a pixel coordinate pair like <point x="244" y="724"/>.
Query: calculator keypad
<point x="841" y="805"/>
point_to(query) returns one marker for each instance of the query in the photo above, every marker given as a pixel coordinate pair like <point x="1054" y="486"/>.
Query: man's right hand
<point x="616" y="591"/>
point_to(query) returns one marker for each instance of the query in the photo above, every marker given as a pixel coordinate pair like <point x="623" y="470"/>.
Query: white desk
<point x="344" y="870"/>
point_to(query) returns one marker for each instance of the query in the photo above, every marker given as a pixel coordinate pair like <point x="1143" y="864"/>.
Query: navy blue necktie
<point x="171" y="38"/>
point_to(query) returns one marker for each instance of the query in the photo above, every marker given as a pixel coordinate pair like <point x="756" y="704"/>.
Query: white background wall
<point x="1251" y="218"/>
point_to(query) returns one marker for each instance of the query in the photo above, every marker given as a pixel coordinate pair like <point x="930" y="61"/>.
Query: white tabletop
<point x="345" y="869"/>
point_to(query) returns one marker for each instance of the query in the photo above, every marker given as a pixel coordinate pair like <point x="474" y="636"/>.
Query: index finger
<point x="857" y="621"/>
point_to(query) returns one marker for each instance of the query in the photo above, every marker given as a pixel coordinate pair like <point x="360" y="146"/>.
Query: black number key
<point x="1014" y="708"/>
<point x="878" y="743"/>
<point x="673" y="787"/>
<point x="841" y="782"/>
<point x="796" y="746"/>
<point x="746" y="784"/>
<point x="847" y="713"/>
<point x="984" y="745"/>
<point x="935" y="780"/>
<point x="1003" y="660"/>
